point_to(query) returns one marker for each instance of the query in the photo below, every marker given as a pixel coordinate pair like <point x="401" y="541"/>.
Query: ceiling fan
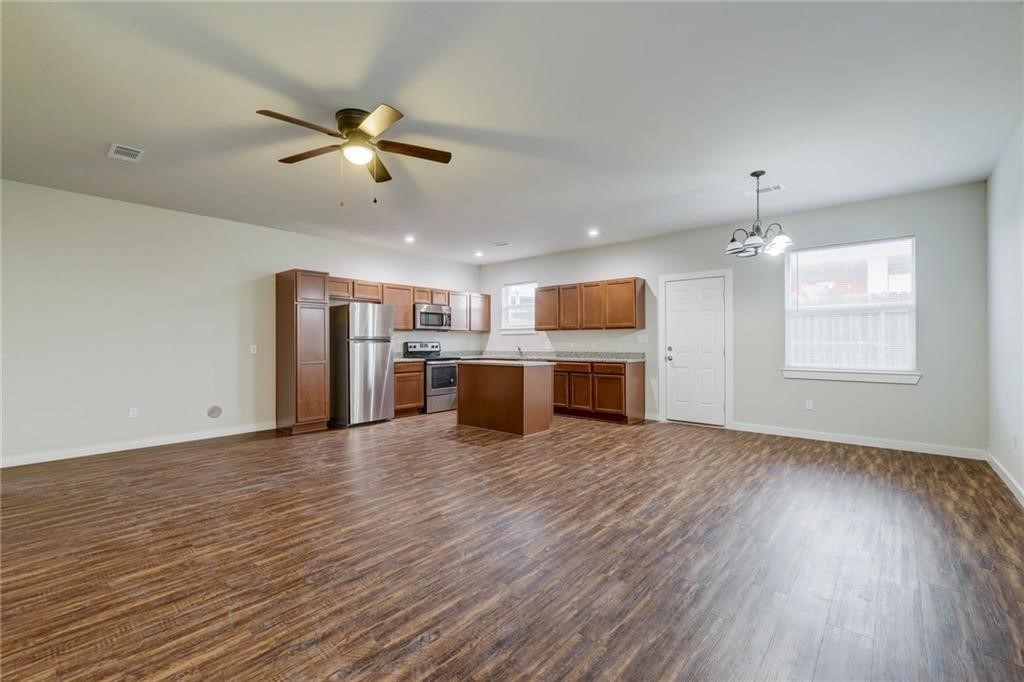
<point x="358" y="130"/>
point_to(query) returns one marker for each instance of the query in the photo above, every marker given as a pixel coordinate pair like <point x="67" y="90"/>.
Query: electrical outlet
<point x="253" y="348"/>
<point x="133" y="412"/>
<point x="809" y="405"/>
<point x="641" y="338"/>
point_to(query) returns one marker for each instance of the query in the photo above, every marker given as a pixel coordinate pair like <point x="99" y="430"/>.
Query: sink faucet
<point x="521" y="353"/>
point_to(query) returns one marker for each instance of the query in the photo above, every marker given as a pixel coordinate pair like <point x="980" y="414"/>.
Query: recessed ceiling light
<point x="409" y="239"/>
<point x="479" y="254"/>
<point x="593" y="232"/>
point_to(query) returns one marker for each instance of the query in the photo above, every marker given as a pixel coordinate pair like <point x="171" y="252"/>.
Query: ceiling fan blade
<point x="413" y="150"/>
<point x="377" y="169"/>
<point x="310" y="154"/>
<point x="299" y="122"/>
<point x="380" y="119"/>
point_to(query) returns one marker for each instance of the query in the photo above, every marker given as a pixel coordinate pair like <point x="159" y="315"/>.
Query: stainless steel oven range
<point x="442" y="375"/>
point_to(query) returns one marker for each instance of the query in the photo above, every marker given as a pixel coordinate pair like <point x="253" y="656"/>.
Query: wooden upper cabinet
<point x="459" y="301"/>
<point x="569" y="306"/>
<point x="624" y="306"/>
<point x="545" y="310"/>
<point x="339" y="287"/>
<point x="368" y="291"/>
<point x="421" y="295"/>
<point x="310" y="287"/>
<point x="593" y="299"/>
<point x="439" y="297"/>
<point x="400" y="298"/>
<point x="479" y="313"/>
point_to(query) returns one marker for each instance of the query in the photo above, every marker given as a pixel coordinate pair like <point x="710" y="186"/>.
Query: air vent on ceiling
<point x="502" y="243"/>
<point x="125" y="153"/>
<point x="764" y="190"/>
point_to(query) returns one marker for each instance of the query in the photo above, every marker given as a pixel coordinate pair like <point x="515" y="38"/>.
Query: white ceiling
<point x="638" y="119"/>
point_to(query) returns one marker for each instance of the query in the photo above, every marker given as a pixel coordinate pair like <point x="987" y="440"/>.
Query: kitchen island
<point x="510" y="396"/>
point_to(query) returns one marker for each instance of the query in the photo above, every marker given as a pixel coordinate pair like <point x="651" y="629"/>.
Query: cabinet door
<point x="439" y="297"/>
<point x="561" y="396"/>
<point x="580" y="392"/>
<point x="421" y="295"/>
<point x="569" y="306"/>
<point x="312" y="376"/>
<point x="610" y="393"/>
<point x="311" y="286"/>
<point x="479" y="313"/>
<point x="400" y="298"/>
<point x="459" y="302"/>
<point x="339" y="287"/>
<point x="545" y="310"/>
<point x="592" y="304"/>
<point x="622" y="301"/>
<point x="367" y="291"/>
<point x="408" y="390"/>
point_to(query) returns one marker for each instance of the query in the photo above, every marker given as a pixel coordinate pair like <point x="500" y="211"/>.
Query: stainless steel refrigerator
<point x="362" y="374"/>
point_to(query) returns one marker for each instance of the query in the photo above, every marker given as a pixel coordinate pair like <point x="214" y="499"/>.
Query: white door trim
<point x="663" y="281"/>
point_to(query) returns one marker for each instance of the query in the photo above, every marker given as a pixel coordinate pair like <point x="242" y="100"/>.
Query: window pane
<point x="517" y="304"/>
<point x="852" y="307"/>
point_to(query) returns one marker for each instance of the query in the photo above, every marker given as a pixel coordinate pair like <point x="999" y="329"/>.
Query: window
<point x="852" y="309"/>
<point x="517" y="306"/>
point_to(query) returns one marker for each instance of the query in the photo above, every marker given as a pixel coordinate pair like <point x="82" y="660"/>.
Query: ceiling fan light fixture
<point x="358" y="154"/>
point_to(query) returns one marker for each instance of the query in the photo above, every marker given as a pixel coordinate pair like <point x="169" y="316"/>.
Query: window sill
<point x="517" y="332"/>
<point x="866" y="376"/>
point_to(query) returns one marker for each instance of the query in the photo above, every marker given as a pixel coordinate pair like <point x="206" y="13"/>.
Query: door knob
<point x="669" y="358"/>
<point x="669" y="348"/>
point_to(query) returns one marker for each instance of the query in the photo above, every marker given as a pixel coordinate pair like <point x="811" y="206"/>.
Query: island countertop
<point x="504" y="363"/>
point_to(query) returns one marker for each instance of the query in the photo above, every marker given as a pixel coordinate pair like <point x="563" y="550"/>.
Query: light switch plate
<point x="253" y="348"/>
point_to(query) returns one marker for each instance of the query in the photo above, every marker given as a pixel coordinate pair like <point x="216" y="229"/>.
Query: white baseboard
<point x="1015" y="487"/>
<point x="886" y="443"/>
<point x="105" y="448"/>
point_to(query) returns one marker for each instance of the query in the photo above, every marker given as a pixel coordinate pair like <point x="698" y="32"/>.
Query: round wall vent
<point x="214" y="412"/>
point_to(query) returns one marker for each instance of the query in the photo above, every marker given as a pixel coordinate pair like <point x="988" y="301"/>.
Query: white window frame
<point x="505" y="328"/>
<point x="910" y="376"/>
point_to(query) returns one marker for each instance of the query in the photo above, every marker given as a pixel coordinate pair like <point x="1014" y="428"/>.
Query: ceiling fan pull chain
<point x="341" y="182"/>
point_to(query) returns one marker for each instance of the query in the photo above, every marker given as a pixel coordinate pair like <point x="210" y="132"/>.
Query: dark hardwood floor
<point x="421" y="549"/>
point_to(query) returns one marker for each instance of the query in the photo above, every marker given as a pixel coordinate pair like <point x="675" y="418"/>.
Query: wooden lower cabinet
<point x="601" y="390"/>
<point x="610" y="394"/>
<point x="409" y="388"/>
<point x="561" y="397"/>
<point x="581" y="393"/>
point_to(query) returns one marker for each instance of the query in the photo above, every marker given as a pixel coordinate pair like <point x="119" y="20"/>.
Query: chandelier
<point x="771" y="240"/>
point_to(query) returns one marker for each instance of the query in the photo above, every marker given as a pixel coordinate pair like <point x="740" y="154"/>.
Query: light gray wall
<point x="110" y="304"/>
<point x="1006" y="310"/>
<point x="947" y="408"/>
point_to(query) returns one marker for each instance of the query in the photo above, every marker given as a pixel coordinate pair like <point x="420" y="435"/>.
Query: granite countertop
<point x="555" y="358"/>
<point x="505" y="363"/>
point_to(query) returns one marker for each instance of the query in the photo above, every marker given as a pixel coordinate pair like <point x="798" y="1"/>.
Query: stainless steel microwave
<point x="429" y="316"/>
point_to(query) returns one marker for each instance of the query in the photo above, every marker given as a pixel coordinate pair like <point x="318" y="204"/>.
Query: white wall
<point x="946" y="412"/>
<point x="1006" y="312"/>
<point x="109" y="304"/>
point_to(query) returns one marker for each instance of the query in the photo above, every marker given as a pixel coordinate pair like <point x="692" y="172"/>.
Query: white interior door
<point x="695" y="350"/>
